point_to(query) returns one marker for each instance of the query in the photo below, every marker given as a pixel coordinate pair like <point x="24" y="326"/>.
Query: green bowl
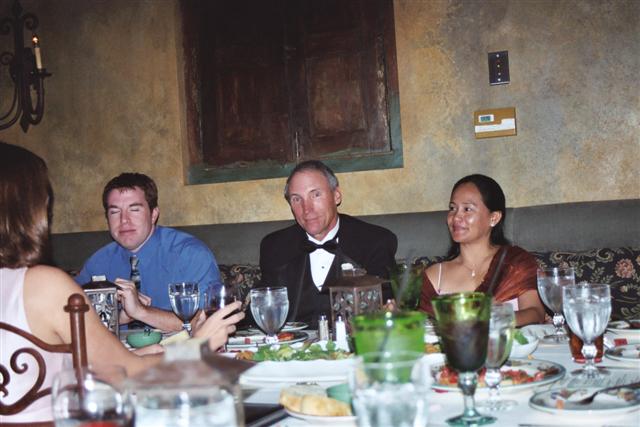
<point x="143" y="339"/>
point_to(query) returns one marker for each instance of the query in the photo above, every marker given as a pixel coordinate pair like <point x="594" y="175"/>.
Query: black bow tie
<point x="329" y="246"/>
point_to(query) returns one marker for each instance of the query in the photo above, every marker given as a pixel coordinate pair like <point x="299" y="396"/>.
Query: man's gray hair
<point x="312" y="165"/>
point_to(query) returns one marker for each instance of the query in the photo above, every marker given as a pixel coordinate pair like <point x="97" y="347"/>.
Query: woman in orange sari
<point x="479" y="251"/>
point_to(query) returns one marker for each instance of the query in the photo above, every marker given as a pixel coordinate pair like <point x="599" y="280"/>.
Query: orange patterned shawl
<point x="518" y="276"/>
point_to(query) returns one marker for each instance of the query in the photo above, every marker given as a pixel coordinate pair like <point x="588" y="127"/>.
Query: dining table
<point x="443" y="405"/>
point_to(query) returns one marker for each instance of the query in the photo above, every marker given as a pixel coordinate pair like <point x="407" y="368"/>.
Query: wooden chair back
<point x="76" y="307"/>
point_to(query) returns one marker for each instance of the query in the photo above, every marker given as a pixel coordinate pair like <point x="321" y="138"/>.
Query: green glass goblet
<point x="463" y="326"/>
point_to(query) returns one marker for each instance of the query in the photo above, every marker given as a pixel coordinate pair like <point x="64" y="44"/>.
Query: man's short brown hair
<point x="131" y="180"/>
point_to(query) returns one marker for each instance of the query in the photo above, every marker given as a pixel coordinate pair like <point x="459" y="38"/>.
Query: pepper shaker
<point x="323" y="328"/>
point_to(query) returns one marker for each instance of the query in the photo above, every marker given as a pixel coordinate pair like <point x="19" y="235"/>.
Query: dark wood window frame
<point x="202" y="172"/>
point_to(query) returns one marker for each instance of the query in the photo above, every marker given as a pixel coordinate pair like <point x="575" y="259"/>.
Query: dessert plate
<point x="624" y="353"/>
<point x="616" y="402"/>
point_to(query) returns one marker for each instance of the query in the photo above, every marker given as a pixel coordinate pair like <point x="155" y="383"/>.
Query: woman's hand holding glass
<point x="219" y="325"/>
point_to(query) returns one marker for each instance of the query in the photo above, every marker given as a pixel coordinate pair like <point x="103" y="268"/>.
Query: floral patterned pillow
<point x="243" y="276"/>
<point x="618" y="267"/>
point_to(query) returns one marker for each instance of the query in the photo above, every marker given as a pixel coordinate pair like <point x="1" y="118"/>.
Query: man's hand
<point x="133" y="302"/>
<point x="216" y="328"/>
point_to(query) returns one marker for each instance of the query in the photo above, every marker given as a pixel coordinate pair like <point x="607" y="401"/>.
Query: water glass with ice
<point x="269" y="307"/>
<point x="587" y="308"/>
<point x="390" y="389"/>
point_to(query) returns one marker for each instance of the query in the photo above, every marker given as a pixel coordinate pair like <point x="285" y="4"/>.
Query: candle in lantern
<point x="36" y="50"/>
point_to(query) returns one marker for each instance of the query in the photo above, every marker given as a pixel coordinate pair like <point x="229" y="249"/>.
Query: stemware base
<point x="271" y="339"/>
<point x="498" y="405"/>
<point x="555" y="338"/>
<point x="591" y="374"/>
<point x="478" y="420"/>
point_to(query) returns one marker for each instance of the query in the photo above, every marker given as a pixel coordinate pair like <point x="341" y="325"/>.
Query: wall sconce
<point x="25" y="69"/>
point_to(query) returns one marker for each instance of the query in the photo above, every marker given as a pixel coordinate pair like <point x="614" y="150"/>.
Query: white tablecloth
<point x="446" y="405"/>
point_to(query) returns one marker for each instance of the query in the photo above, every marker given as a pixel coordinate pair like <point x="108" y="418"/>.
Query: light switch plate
<point x="499" y="67"/>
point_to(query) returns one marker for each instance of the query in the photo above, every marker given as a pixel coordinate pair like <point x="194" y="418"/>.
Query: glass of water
<point x="91" y="395"/>
<point x="550" y="284"/>
<point x="269" y="307"/>
<point x="501" y="329"/>
<point x="186" y="393"/>
<point x="390" y="389"/>
<point x="185" y="301"/>
<point x="587" y="308"/>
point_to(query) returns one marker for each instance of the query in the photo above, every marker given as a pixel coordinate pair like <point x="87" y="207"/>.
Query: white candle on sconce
<point x="36" y="51"/>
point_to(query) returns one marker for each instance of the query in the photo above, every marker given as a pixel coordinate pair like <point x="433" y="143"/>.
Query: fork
<point x="587" y="400"/>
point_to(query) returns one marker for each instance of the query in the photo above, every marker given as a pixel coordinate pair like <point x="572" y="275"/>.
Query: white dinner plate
<point x="604" y="403"/>
<point x="244" y="339"/>
<point x="624" y="353"/>
<point x="288" y="327"/>
<point x="623" y="329"/>
<point x="531" y="367"/>
<point x="315" y="419"/>
<point x="298" y="371"/>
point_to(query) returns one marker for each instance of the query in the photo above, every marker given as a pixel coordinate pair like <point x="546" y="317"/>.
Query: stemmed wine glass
<point x="217" y="297"/>
<point x="550" y="284"/>
<point x="587" y="308"/>
<point x="269" y="307"/>
<point x="93" y="395"/>
<point x="501" y="330"/>
<point x="185" y="301"/>
<point x="463" y="326"/>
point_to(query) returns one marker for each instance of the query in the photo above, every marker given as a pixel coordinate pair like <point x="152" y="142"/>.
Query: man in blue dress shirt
<point x="160" y="255"/>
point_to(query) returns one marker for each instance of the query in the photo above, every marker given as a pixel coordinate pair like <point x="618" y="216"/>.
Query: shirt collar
<point x="149" y="245"/>
<point x="330" y="235"/>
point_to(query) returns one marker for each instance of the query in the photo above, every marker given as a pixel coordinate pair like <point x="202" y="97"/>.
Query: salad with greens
<point x="308" y="351"/>
<point x="520" y="338"/>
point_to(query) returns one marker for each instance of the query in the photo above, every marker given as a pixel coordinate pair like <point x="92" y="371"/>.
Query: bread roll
<point x="291" y="397"/>
<point x="324" y="406"/>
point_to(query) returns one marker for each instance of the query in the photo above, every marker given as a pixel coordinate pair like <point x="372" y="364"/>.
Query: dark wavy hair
<point x="131" y="180"/>
<point x="312" y="165"/>
<point x="493" y="198"/>
<point x="26" y="199"/>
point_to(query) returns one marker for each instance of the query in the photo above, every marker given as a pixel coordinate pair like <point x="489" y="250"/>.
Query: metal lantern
<point x="354" y="295"/>
<point x="104" y="299"/>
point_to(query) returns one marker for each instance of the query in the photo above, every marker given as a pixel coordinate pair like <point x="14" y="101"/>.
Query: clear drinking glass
<point x="269" y="307"/>
<point x="463" y="326"/>
<point x="550" y="284"/>
<point x="186" y="394"/>
<point x="390" y="389"/>
<point x="185" y="301"/>
<point x="587" y="308"/>
<point x="92" y="395"/>
<point x="501" y="330"/>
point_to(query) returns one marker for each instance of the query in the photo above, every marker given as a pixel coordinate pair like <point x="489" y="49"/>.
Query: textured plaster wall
<point x="114" y="103"/>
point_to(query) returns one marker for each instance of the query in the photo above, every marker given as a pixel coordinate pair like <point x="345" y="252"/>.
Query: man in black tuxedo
<point x="307" y="256"/>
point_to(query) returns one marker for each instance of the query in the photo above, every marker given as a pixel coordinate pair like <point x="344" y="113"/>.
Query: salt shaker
<point x="323" y="328"/>
<point x="341" y="334"/>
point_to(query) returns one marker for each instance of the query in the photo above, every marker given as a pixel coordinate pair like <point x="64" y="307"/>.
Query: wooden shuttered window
<point x="273" y="82"/>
